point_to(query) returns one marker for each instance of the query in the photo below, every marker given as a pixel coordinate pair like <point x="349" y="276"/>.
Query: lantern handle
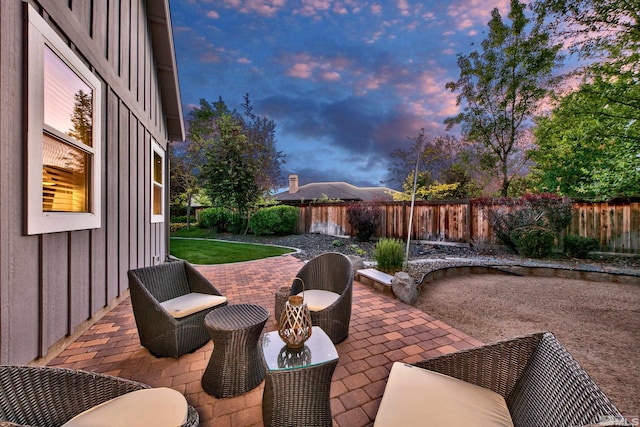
<point x="302" y="281"/>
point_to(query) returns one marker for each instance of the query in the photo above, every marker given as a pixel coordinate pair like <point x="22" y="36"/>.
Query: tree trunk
<point x="505" y="180"/>
<point x="189" y="211"/>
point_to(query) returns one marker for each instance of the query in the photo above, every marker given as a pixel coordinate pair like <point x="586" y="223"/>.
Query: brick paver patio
<point x="382" y="330"/>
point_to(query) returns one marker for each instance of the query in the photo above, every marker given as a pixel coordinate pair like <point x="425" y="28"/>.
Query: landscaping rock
<point x="404" y="288"/>
<point x="357" y="262"/>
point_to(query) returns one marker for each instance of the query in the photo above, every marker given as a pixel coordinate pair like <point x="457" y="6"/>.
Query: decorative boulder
<point x="405" y="288"/>
<point x="356" y="262"/>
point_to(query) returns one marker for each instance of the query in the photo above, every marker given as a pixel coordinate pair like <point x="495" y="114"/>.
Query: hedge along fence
<point x="615" y="225"/>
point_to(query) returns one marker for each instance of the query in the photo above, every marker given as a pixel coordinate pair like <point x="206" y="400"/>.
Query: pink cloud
<point x="376" y="9"/>
<point x="244" y="60"/>
<point x="313" y="7"/>
<point x="403" y="6"/>
<point x="305" y="66"/>
<point x="210" y="57"/>
<point x="301" y="71"/>
<point x="261" y="7"/>
<point x="469" y="13"/>
<point x="340" y="9"/>
<point x="213" y="14"/>
<point x="331" y="76"/>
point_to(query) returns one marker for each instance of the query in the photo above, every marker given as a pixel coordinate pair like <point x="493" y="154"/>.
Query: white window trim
<point x="157" y="149"/>
<point x="39" y="221"/>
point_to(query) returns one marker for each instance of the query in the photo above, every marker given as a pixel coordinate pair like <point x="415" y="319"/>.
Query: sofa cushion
<point x="194" y="302"/>
<point x="418" y="397"/>
<point x="318" y="300"/>
<point x="158" y="407"/>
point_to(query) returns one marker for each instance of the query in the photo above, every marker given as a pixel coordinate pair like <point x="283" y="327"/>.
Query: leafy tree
<point x="434" y="155"/>
<point x="426" y="188"/>
<point x="606" y="32"/>
<point x="589" y="146"/>
<point x="233" y="154"/>
<point x="502" y="86"/>
<point x="183" y="183"/>
<point x="445" y="161"/>
<point x="460" y="173"/>
<point x="595" y="128"/>
<point x="229" y="175"/>
<point x="260" y="132"/>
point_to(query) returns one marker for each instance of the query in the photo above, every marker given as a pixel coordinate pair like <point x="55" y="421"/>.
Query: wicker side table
<point x="235" y="366"/>
<point x="282" y="296"/>
<point x="298" y="382"/>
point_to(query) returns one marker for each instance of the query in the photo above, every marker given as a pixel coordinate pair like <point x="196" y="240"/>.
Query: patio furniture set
<point x="297" y="382"/>
<point x="525" y="381"/>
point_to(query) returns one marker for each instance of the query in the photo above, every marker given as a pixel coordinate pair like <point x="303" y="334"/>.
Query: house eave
<point x="161" y="29"/>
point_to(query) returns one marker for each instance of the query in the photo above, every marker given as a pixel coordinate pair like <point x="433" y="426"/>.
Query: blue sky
<point x="346" y="82"/>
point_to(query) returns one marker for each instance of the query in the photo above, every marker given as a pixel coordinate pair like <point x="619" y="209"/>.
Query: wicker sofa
<point x="539" y="380"/>
<point x="49" y="397"/>
<point x="160" y="332"/>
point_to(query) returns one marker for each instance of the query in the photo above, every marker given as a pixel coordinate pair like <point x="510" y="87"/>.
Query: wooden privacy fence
<point x="615" y="225"/>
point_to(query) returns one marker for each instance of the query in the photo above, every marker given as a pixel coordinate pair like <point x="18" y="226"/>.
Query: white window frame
<point x="156" y="149"/>
<point x="38" y="220"/>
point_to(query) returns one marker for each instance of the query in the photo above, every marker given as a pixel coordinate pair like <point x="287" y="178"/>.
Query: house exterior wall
<point x="52" y="286"/>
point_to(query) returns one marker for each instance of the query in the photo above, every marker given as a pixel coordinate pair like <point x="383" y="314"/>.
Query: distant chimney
<point x="293" y="183"/>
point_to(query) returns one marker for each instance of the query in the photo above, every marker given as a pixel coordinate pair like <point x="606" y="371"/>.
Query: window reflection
<point x="157" y="183"/>
<point x="68" y="117"/>
<point x="64" y="177"/>
<point x="68" y="100"/>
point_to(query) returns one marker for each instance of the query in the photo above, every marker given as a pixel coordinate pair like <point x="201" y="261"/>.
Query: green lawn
<point x="199" y="251"/>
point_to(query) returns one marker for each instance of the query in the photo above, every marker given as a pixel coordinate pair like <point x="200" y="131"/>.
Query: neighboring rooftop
<point x="332" y="190"/>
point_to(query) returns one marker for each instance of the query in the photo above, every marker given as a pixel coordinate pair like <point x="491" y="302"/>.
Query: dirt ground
<point x="598" y="322"/>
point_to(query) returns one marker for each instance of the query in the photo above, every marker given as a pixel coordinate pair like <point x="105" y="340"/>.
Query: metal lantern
<point x="295" y="322"/>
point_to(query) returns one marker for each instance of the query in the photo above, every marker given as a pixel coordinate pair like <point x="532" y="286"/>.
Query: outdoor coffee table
<point x="298" y="382"/>
<point x="235" y="366"/>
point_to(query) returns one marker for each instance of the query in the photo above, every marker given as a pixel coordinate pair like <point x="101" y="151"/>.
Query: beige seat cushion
<point x="318" y="300"/>
<point x="418" y="397"/>
<point x="158" y="407"/>
<point x="185" y="305"/>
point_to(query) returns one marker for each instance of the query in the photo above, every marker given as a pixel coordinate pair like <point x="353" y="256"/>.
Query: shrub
<point x="556" y="211"/>
<point x="388" y="254"/>
<point x="578" y="246"/>
<point x="176" y="226"/>
<point x="279" y="220"/>
<point x="183" y="218"/>
<point x="363" y="218"/>
<point x="530" y="210"/>
<point x="215" y="218"/>
<point x="356" y="249"/>
<point x="533" y="241"/>
<point x="236" y="223"/>
<point x="504" y="224"/>
<point x="338" y="242"/>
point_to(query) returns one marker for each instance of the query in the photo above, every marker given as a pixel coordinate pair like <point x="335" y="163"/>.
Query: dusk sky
<point x="346" y="82"/>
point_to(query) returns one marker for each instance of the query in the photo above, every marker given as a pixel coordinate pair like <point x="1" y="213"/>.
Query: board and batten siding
<point x="53" y="286"/>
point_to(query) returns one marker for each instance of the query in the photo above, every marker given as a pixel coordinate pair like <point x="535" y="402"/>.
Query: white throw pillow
<point x="158" y="407"/>
<point x="318" y="300"/>
<point x="194" y="302"/>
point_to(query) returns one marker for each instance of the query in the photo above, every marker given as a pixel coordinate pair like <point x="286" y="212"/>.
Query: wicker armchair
<point x="49" y="397"/>
<point x="160" y="332"/>
<point x="539" y="380"/>
<point x="329" y="272"/>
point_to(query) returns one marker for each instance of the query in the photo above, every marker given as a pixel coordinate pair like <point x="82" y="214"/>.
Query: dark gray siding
<point x="53" y="285"/>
